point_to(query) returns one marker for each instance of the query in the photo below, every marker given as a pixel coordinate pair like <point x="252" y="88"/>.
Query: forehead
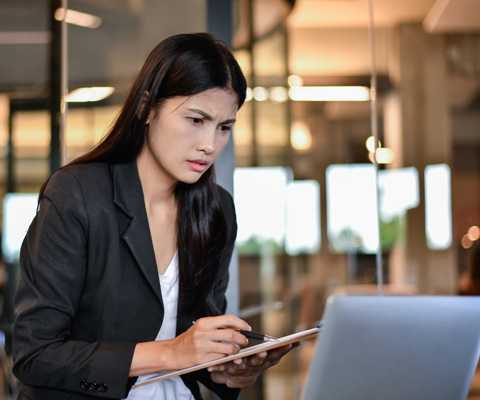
<point x="214" y="100"/>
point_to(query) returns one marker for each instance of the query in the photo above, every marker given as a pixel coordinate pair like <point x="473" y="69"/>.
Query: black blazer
<point x="89" y="290"/>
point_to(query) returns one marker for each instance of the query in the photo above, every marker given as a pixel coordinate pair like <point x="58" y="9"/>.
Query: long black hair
<point x="181" y="65"/>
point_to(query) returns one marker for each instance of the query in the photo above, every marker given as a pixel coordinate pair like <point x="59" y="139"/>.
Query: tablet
<point x="248" y="351"/>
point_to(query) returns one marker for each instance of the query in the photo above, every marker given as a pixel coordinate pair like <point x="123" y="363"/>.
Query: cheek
<point x="169" y="143"/>
<point x="222" y="143"/>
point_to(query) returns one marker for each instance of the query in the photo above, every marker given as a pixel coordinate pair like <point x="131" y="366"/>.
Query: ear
<point x="142" y="106"/>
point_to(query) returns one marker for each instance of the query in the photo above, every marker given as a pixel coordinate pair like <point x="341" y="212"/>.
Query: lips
<point x="198" y="165"/>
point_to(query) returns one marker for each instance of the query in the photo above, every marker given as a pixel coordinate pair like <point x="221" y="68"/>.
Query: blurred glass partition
<point x="18" y="212"/>
<point x="303" y="234"/>
<point x="260" y="201"/>
<point x="438" y="207"/>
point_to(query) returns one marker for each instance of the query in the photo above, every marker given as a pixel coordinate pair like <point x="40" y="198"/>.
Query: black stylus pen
<point x="255" y="335"/>
<point x="258" y="336"/>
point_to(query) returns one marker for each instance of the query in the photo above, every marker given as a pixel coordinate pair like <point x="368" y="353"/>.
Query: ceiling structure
<point x="436" y="16"/>
<point x="330" y="37"/>
<point x="355" y="13"/>
<point x="326" y="37"/>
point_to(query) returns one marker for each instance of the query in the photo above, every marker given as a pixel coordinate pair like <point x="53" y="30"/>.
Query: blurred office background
<point x="317" y="212"/>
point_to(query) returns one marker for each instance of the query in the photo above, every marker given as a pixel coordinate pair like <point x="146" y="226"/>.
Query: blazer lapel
<point x="128" y="196"/>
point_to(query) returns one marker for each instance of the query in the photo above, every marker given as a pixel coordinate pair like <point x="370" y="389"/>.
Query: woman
<point x="132" y="242"/>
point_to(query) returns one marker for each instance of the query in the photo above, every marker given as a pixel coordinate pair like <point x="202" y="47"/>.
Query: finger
<point x="204" y="331"/>
<point x="237" y="370"/>
<point x="258" y="358"/>
<point x="217" y="368"/>
<point x="218" y="377"/>
<point x="224" y="321"/>
<point x="279" y="352"/>
<point x="215" y="329"/>
<point x="224" y="348"/>
<point x="228" y="335"/>
<point x="213" y="350"/>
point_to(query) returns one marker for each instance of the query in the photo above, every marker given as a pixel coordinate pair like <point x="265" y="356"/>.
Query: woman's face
<point x="187" y="134"/>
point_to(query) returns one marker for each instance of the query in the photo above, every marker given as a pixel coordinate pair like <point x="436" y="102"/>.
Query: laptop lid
<point x="395" y="348"/>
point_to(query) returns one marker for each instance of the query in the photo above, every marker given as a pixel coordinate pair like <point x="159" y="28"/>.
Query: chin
<point x="190" y="180"/>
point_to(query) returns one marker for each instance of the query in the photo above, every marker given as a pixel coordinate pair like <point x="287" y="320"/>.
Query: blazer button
<point x="92" y="386"/>
<point x="102" y="387"/>
<point x="83" y="384"/>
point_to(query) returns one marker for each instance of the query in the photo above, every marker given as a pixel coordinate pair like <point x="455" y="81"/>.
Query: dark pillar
<point x="55" y="87"/>
<point x="253" y="83"/>
<point x="219" y="24"/>
<point x="219" y="20"/>
<point x="11" y="187"/>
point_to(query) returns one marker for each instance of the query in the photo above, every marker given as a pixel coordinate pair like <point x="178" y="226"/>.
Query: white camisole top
<point x="172" y="388"/>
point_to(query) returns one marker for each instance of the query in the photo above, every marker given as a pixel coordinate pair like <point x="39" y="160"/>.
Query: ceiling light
<point x="278" y="94"/>
<point x="473" y="233"/>
<point x="78" y="18"/>
<point x="370" y="144"/>
<point x="466" y="242"/>
<point x="384" y="155"/>
<point x="295" y="81"/>
<point x="301" y="138"/>
<point x="330" y="93"/>
<point x="249" y="95"/>
<point x="89" y="94"/>
<point x="260" y="93"/>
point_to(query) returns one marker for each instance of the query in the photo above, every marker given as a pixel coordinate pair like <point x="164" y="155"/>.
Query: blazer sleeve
<point x="52" y="274"/>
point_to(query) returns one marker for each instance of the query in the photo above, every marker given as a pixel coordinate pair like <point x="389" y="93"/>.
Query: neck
<point x="157" y="190"/>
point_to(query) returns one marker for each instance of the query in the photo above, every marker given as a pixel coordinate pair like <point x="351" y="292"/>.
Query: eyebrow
<point x="210" y="118"/>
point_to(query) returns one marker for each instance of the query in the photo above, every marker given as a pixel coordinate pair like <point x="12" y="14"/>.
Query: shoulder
<point x="83" y="173"/>
<point x="87" y="177"/>
<point x="79" y="187"/>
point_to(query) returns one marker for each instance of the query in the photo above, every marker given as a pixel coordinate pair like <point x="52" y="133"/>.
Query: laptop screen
<point x="395" y="348"/>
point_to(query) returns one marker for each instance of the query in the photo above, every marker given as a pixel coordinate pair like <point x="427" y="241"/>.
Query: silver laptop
<point x="395" y="348"/>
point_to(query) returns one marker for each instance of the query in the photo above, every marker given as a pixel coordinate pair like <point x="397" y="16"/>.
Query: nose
<point x="207" y="142"/>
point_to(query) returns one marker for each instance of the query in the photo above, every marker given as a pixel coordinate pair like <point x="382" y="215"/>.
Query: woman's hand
<point x="210" y="338"/>
<point x="243" y="372"/>
<point x="206" y="340"/>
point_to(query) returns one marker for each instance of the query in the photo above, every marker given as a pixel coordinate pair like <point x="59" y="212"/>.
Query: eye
<point x="225" y="128"/>
<point x="196" y="121"/>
